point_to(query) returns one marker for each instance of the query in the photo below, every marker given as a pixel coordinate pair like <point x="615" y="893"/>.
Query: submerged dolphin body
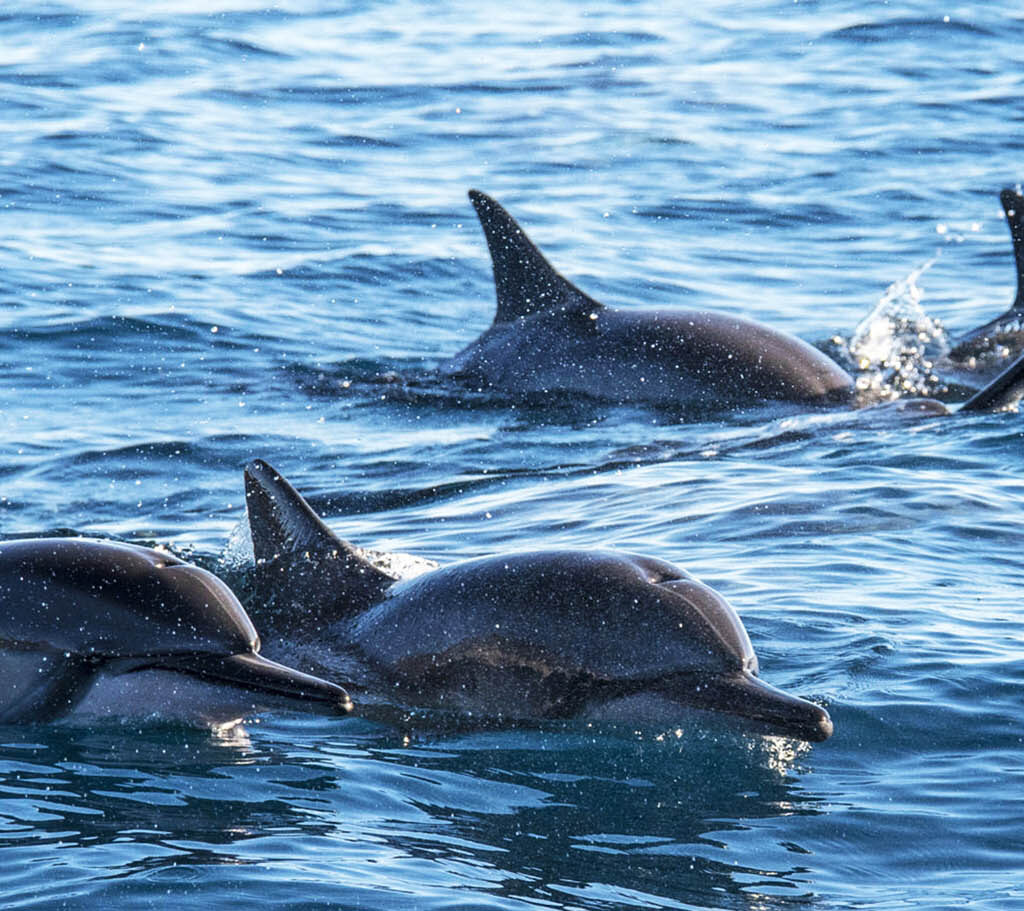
<point x="1002" y="337"/>
<point x="551" y="634"/>
<point x="549" y="336"/>
<point x="93" y="628"/>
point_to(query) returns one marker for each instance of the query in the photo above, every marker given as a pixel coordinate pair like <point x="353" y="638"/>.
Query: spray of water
<point x="894" y="348"/>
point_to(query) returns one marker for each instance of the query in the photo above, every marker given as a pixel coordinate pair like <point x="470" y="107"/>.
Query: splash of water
<point x="399" y="565"/>
<point x="238" y="556"/>
<point x="894" y="348"/>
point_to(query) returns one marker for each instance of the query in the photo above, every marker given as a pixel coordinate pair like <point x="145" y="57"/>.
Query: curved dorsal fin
<point x="980" y="339"/>
<point x="524" y="281"/>
<point x="1013" y="206"/>
<point x="280" y="520"/>
<point x="310" y="562"/>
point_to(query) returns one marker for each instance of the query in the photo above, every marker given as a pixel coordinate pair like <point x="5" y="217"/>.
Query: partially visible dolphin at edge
<point x="1003" y="337"/>
<point x="98" y="628"/>
<point x="523" y="636"/>
<point x="548" y="336"/>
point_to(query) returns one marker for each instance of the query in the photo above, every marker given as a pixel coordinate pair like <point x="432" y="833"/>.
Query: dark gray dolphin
<point x="550" y="634"/>
<point x="549" y="336"/>
<point x="96" y="627"/>
<point x="1002" y="337"/>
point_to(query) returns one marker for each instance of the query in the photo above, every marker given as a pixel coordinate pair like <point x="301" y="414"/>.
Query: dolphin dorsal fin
<point x="1013" y="206"/>
<point x="285" y="529"/>
<point x="281" y="521"/>
<point x="524" y="281"/>
<point x="978" y="340"/>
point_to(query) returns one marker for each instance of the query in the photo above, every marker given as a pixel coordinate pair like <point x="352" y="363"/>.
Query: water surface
<point x="221" y="223"/>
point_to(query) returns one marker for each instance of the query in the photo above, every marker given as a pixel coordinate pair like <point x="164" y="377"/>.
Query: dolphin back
<point x="550" y="337"/>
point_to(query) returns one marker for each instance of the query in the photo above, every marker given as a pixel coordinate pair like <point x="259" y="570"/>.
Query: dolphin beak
<point x="746" y="696"/>
<point x="788" y="715"/>
<point x="260" y="675"/>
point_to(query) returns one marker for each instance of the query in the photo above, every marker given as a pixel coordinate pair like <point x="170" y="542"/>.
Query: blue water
<point x="222" y="224"/>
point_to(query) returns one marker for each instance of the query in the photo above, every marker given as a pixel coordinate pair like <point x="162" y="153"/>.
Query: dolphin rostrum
<point x="549" y="634"/>
<point x="102" y="628"/>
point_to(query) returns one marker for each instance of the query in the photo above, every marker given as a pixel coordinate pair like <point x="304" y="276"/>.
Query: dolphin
<point x="539" y="635"/>
<point x="1004" y="336"/>
<point x="93" y="628"/>
<point x="550" y="336"/>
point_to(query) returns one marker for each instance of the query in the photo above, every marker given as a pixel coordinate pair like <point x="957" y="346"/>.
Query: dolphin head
<point x="75" y="612"/>
<point x="591" y="634"/>
<point x="723" y="679"/>
<point x="105" y="597"/>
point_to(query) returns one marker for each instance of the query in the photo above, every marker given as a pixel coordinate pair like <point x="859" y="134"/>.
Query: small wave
<point x="906" y="30"/>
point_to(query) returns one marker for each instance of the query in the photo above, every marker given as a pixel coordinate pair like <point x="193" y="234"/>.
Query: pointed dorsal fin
<point x="524" y="281"/>
<point x="1013" y="206"/>
<point x="311" y="564"/>
<point x="281" y="521"/>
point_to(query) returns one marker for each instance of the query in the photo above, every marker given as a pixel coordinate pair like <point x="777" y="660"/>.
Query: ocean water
<point x="231" y="230"/>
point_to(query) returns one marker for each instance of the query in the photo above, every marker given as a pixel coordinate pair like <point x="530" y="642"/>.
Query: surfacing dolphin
<point x="97" y="628"/>
<point x="541" y="635"/>
<point x="548" y="336"/>
<point x="1003" y="337"/>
